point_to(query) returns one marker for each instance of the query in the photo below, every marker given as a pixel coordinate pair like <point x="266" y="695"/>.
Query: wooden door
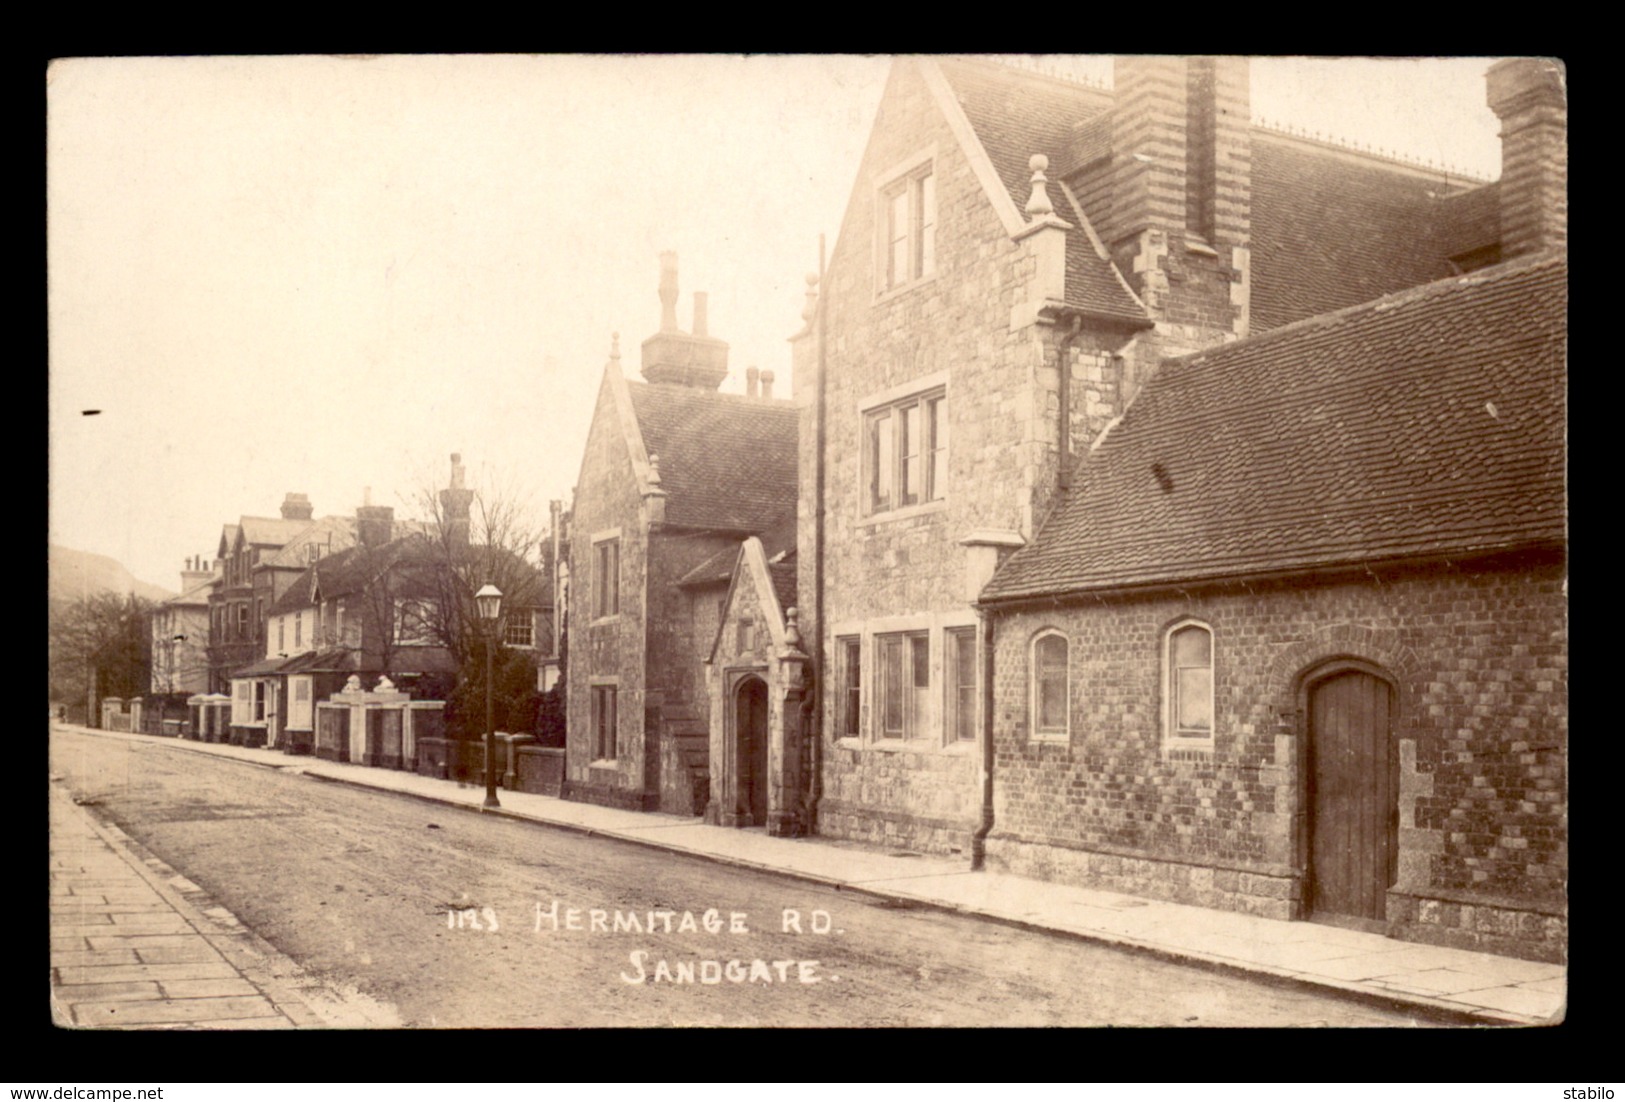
<point x="751" y="727"/>
<point x="1353" y="810"/>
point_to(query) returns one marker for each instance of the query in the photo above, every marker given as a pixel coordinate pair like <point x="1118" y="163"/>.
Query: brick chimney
<point x="196" y="572"/>
<point x="677" y="358"/>
<point x="374" y="524"/>
<point x="454" y="504"/>
<point x="767" y="383"/>
<point x="1528" y="95"/>
<point x="1179" y="175"/>
<point x="296" y="507"/>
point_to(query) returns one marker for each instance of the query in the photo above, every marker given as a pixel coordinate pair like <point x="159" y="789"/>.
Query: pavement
<point x="1451" y="985"/>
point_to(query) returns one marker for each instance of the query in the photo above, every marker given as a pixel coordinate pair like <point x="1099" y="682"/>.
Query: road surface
<point x="462" y="920"/>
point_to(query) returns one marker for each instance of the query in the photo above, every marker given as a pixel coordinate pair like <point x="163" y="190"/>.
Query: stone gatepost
<point x="784" y="818"/>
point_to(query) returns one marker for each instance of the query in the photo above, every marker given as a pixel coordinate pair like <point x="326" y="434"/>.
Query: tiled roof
<point x="1472" y="220"/>
<point x="294" y="553"/>
<point x="1427" y="423"/>
<point x="1015" y="114"/>
<point x="778" y="540"/>
<point x="275" y="531"/>
<point x="784" y="583"/>
<point x="728" y="462"/>
<point x="1331" y="229"/>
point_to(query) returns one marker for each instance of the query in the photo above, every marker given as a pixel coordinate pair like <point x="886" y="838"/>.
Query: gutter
<point x="978" y="840"/>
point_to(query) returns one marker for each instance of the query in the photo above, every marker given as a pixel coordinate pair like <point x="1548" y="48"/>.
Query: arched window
<point x="1188" y="682"/>
<point x="1049" y="685"/>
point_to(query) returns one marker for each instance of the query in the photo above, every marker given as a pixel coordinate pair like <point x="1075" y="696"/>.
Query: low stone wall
<point x="540" y="770"/>
<point x="1262" y="892"/>
<point x="899" y="829"/>
<point x="1485" y="925"/>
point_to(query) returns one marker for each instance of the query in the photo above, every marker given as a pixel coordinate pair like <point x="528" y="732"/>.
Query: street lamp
<point x="489" y="600"/>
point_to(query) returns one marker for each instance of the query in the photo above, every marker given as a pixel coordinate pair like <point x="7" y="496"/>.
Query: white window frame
<point x="513" y="636"/>
<point x="914" y="699"/>
<point x="1174" y="737"/>
<point x="922" y="205"/>
<point x="1035" y="700"/>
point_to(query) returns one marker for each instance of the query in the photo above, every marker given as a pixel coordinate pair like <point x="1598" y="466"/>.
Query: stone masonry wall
<point x="613" y="647"/>
<point x="1479" y="656"/>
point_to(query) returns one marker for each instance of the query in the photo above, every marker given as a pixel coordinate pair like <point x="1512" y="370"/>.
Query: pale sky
<point x="322" y="274"/>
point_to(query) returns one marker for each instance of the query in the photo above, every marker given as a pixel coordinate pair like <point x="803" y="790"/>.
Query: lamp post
<point x="489" y="600"/>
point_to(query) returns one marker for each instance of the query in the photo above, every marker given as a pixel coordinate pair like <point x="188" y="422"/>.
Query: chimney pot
<point x="751" y="377"/>
<point x="700" y="314"/>
<point x="767" y="384"/>
<point x="668" y="292"/>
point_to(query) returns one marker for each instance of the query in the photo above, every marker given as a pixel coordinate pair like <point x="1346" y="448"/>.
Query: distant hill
<point x="76" y="573"/>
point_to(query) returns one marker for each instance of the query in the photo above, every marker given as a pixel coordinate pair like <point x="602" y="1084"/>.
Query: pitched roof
<point x="1016" y="113"/>
<point x="778" y="544"/>
<point x="727" y="461"/>
<point x="322" y="531"/>
<point x="1331" y="228"/>
<point x="275" y="531"/>
<point x="1427" y="423"/>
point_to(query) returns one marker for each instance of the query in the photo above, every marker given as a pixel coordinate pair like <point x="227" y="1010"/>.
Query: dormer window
<point x="906" y="219"/>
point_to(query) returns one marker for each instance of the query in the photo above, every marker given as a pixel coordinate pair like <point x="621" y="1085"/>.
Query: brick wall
<point x="1479" y="660"/>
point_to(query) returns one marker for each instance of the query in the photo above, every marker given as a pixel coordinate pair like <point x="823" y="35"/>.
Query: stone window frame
<point x="953" y="638"/>
<point x="915" y="700"/>
<point x="1172" y="737"/>
<point x="924" y="206"/>
<point x="1062" y="734"/>
<point x="598" y="689"/>
<point x="914" y="393"/>
<point x="606" y="611"/>
<point x="849" y="685"/>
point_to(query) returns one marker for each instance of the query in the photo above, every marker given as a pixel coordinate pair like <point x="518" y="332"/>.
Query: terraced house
<point x="1258" y="440"/>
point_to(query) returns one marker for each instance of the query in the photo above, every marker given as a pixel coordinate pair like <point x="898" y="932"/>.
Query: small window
<point x="242" y="621"/>
<point x="851" y="706"/>
<point x="905" y="683"/>
<point x="519" y="629"/>
<point x="603" y="722"/>
<point x="1049" y="672"/>
<point x="905" y="452"/>
<point x="961" y="681"/>
<point x="313" y="551"/>
<point x="908" y="228"/>
<point x="747" y="636"/>
<point x="606" y="578"/>
<point x="298" y="630"/>
<point x="1189" y="682"/>
<point x="281" y="632"/>
<point x="301" y="689"/>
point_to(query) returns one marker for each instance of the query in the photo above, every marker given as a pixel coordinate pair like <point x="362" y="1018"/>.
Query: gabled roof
<point x="1016" y="113"/>
<point x="726" y="461"/>
<point x="1429" y="423"/>
<point x="197" y="595"/>
<point x="327" y="530"/>
<point x="272" y="531"/>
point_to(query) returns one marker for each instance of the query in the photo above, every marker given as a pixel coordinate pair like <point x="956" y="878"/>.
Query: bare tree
<point x="100" y="645"/>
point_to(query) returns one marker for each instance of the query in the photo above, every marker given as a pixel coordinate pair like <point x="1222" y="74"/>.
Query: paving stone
<point x="107" y="992"/>
<point x="126" y="972"/>
<point x="171" y="1010"/>
<point x="198" y="950"/>
<point x="66" y="958"/>
<point x="199" y="989"/>
<point x="1514" y="1000"/>
<point x="142" y="941"/>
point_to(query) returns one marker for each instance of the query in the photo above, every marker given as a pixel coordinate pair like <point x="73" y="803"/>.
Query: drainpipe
<point x="1063" y="435"/>
<point x="812" y="712"/>
<point x="978" y="841"/>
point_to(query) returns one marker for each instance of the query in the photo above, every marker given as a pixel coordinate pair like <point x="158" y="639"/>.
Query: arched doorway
<point x="750" y="751"/>
<point x="1352" y="795"/>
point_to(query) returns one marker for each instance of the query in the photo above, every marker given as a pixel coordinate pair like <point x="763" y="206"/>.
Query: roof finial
<point x="654" y="469"/>
<point x="1038" y="205"/>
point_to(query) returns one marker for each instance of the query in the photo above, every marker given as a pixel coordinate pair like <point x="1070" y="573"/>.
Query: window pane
<point x="965" y="713"/>
<point x="936" y="427"/>
<point x="852" y="673"/>
<point x="1052" y="701"/>
<point x="909" y="428"/>
<point x="1051" y="652"/>
<point x="1196" y="700"/>
<point x="897" y="266"/>
<point x="880" y="461"/>
<point x="921" y="660"/>
<point x="891" y="687"/>
<point x="1191" y="647"/>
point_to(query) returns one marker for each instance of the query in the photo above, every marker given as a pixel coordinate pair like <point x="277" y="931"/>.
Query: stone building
<point x="1020" y="258"/>
<point x="673" y="474"/>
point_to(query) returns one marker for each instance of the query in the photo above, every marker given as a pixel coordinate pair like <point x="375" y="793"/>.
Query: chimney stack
<point x="296" y="507"/>
<point x="1527" y="94"/>
<point x="195" y="573"/>
<point x="374" y="524"/>
<point x="752" y="377"/>
<point x="767" y="383"/>
<point x="455" y="502"/>
<point x="673" y="357"/>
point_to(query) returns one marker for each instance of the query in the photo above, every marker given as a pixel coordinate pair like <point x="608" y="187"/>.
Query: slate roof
<point x="783" y="575"/>
<point x="271" y="530"/>
<point x="293" y="553"/>
<point x="1015" y="114"/>
<point x="728" y="462"/>
<point x="1428" y="423"/>
<point x="1330" y="229"/>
